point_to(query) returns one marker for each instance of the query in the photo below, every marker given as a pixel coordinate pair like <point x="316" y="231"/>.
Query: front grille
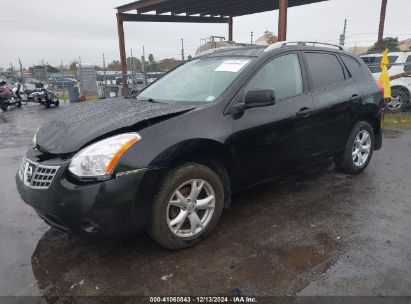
<point x="37" y="176"/>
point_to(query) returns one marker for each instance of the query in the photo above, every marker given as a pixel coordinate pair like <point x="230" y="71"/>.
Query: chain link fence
<point x="400" y="72"/>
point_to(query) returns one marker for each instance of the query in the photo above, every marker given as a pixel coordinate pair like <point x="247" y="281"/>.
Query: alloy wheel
<point x="395" y="104"/>
<point x="362" y="148"/>
<point x="191" y="208"/>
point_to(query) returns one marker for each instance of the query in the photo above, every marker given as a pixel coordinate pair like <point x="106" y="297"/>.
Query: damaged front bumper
<point x="119" y="207"/>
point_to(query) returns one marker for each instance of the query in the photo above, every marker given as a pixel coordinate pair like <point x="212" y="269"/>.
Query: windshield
<point x="200" y="80"/>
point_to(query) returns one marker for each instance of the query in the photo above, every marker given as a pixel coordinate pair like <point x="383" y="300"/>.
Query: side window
<point x="373" y="63"/>
<point x="325" y="70"/>
<point x="393" y="60"/>
<point x="282" y="74"/>
<point x="407" y="66"/>
<point x="351" y="64"/>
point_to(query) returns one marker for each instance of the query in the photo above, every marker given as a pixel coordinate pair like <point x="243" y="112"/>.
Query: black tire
<point x="56" y="102"/>
<point x="404" y="102"/>
<point x="344" y="161"/>
<point x="159" y="229"/>
<point x="19" y="104"/>
<point x="47" y="104"/>
<point x="3" y="106"/>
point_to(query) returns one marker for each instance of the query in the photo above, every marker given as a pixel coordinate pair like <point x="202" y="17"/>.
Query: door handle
<point x="304" y="112"/>
<point x="355" y="98"/>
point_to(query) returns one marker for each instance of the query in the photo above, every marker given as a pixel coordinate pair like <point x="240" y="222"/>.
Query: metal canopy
<point x="198" y="11"/>
<point x="210" y="8"/>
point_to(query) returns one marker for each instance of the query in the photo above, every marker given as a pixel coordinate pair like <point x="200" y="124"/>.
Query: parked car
<point x="400" y="62"/>
<point x="168" y="162"/>
<point x="62" y="83"/>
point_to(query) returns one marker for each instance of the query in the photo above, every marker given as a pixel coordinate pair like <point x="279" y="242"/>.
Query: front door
<point x="278" y="138"/>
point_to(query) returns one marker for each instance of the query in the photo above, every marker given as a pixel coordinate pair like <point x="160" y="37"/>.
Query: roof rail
<point x="281" y="44"/>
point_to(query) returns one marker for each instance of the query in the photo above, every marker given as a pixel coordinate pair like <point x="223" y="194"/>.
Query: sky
<point x="63" y="30"/>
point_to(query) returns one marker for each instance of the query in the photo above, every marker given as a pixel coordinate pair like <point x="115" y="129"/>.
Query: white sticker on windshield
<point x="233" y="66"/>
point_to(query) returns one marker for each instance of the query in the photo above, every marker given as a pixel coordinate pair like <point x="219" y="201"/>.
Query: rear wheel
<point x="3" y="106"/>
<point x="358" y="151"/>
<point x="187" y="207"/>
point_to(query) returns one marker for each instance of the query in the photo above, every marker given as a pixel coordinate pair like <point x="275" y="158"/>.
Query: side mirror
<point x="259" y="98"/>
<point x="255" y="99"/>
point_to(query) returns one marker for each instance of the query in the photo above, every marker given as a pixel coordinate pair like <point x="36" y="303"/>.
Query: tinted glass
<point x="325" y="70"/>
<point x="200" y="80"/>
<point x="351" y="64"/>
<point x="282" y="74"/>
<point x="407" y="66"/>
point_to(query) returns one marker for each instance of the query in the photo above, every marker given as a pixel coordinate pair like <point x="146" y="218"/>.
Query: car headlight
<point x="35" y="139"/>
<point x="100" y="159"/>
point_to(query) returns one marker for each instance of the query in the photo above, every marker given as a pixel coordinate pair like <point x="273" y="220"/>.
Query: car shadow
<point x="273" y="240"/>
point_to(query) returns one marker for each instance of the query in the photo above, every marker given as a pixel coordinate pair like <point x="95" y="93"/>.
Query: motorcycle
<point x="8" y="96"/>
<point x="44" y="96"/>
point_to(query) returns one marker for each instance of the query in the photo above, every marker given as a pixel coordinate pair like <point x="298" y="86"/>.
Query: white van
<point x="400" y="62"/>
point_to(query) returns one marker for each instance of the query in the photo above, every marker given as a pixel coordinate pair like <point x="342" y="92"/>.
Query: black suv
<point x="168" y="162"/>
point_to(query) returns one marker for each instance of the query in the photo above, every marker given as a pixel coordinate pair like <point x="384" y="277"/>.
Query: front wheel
<point x="187" y="207"/>
<point x="358" y="151"/>
<point x="3" y="106"/>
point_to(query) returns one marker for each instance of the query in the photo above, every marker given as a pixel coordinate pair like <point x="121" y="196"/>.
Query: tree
<point x="130" y="62"/>
<point x="153" y="67"/>
<point x="190" y="57"/>
<point x="151" y="59"/>
<point x="73" y="65"/>
<point x="115" y="65"/>
<point x="52" y="69"/>
<point x="389" y="42"/>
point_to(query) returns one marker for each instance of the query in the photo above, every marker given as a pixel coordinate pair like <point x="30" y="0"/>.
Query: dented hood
<point x="80" y="124"/>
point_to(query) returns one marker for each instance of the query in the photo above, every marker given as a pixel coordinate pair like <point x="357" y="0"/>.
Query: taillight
<point x="380" y="86"/>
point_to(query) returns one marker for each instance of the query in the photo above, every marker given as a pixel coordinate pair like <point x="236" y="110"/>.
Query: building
<point x="267" y="39"/>
<point x="169" y="64"/>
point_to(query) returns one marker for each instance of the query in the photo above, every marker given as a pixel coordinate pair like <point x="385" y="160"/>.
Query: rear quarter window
<point x="351" y="64"/>
<point x="324" y="69"/>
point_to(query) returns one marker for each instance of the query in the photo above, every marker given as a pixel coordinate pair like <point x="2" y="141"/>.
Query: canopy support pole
<point x="282" y="20"/>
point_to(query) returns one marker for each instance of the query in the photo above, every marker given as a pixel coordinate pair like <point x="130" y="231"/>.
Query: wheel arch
<point x="376" y="125"/>
<point x="207" y="152"/>
<point x="372" y="120"/>
<point x="403" y="88"/>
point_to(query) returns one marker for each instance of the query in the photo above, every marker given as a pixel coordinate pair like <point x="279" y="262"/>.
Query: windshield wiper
<point x="148" y="100"/>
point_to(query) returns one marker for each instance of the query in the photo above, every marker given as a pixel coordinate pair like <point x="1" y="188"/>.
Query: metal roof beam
<point x="230" y="10"/>
<point x="171" y="18"/>
<point x="206" y="6"/>
<point x="136" y="5"/>
<point x="166" y="7"/>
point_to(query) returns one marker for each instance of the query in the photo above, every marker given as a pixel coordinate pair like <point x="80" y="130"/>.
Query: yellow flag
<point x="385" y="77"/>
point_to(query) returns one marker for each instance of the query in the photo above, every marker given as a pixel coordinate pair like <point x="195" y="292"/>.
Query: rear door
<point x="336" y="95"/>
